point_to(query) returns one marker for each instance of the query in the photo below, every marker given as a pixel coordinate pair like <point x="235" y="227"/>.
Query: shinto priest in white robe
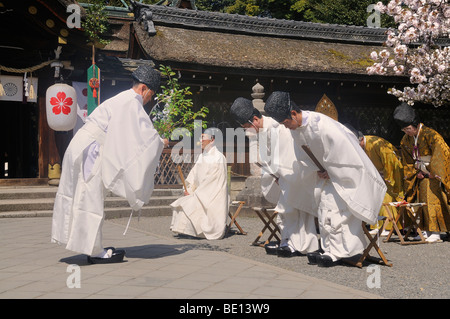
<point x="203" y="213"/>
<point x="118" y="150"/>
<point x="296" y="223"/>
<point x="354" y="192"/>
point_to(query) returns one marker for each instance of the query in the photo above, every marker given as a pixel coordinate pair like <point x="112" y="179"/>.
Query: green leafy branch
<point x="96" y="23"/>
<point x="175" y="109"/>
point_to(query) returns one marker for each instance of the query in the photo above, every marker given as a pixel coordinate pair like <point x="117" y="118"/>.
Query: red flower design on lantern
<point x="61" y="103"/>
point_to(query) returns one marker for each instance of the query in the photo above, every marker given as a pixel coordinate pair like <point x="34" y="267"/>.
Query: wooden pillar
<point x="43" y="131"/>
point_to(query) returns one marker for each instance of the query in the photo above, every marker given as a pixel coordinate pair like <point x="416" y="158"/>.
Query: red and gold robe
<point x="431" y="148"/>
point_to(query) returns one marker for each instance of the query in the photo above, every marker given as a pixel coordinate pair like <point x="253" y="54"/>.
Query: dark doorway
<point x="19" y="140"/>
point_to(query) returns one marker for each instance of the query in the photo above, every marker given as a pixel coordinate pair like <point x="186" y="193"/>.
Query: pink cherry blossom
<point x="414" y="51"/>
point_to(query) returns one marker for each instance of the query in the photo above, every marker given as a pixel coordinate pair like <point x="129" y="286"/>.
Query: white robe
<point x="354" y="192"/>
<point x="269" y="151"/>
<point x="203" y="213"/>
<point x="122" y="149"/>
<point x="297" y="226"/>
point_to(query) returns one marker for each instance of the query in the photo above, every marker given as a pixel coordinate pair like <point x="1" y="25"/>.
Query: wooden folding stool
<point x="234" y="216"/>
<point x="267" y="216"/>
<point x="405" y="211"/>
<point x="372" y="244"/>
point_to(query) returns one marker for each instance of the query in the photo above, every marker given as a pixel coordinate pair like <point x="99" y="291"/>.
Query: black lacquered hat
<point x="147" y="75"/>
<point x="405" y="115"/>
<point x="279" y="106"/>
<point x="242" y="110"/>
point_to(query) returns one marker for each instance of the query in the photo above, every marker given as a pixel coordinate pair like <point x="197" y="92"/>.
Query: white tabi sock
<point x="433" y="237"/>
<point x="104" y="254"/>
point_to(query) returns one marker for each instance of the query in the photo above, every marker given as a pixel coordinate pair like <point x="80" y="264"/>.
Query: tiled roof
<point x="213" y="49"/>
<point x="234" y="23"/>
<point x="211" y="39"/>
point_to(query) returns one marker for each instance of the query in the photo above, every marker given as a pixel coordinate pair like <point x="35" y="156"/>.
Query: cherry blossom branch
<point x="412" y="50"/>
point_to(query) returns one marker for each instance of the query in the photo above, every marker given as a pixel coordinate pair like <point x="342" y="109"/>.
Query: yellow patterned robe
<point x="386" y="159"/>
<point x="434" y="192"/>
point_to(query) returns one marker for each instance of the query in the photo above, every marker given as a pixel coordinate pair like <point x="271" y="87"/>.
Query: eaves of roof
<point x="213" y="49"/>
<point x="234" y="23"/>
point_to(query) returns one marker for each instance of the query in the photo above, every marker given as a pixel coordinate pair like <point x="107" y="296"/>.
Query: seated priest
<point x="202" y="212"/>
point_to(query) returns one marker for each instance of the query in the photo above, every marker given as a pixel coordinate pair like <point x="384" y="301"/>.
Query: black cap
<point x="405" y="115"/>
<point x="279" y="106"/>
<point x="147" y="75"/>
<point x="242" y="110"/>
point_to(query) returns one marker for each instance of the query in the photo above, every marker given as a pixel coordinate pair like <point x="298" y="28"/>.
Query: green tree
<point x="346" y="12"/>
<point x="175" y="109"/>
<point x="96" y="23"/>
<point x="279" y="9"/>
<point x="213" y="5"/>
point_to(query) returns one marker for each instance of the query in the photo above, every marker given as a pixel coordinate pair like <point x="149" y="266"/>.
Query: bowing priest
<point x="387" y="161"/>
<point x="426" y="164"/>
<point x="203" y="211"/>
<point x="117" y="150"/>
<point x="276" y="150"/>
<point x="346" y="192"/>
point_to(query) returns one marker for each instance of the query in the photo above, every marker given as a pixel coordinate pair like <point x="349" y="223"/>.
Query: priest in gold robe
<point x="426" y="164"/>
<point x="386" y="159"/>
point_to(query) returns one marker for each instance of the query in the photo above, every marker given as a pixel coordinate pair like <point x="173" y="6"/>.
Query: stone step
<point x="38" y="201"/>
<point x="39" y="204"/>
<point x="27" y="192"/>
<point x="50" y="192"/>
<point x="110" y="213"/>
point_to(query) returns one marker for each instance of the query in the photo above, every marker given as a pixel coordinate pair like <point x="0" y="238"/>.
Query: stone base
<point x="251" y="193"/>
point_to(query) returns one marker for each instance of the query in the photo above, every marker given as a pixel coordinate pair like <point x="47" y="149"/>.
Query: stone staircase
<point x="37" y="201"/>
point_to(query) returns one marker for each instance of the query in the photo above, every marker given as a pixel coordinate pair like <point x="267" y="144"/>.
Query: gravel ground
<point x="419" y="271"/>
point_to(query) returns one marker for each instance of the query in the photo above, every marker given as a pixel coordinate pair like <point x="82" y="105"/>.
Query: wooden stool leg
<point x="275" y="229"/>
<point x="236" y="214"/>
<point x="390" y="218"/>
<point x="394" y="223"/>
<point x="365" y="255"/>
<point x="234" y="221"/>
<point x="415" y="226"/>
<point x="255" y="242"/>
<point x="267" y="220"/>
<point x="373" y="243"/>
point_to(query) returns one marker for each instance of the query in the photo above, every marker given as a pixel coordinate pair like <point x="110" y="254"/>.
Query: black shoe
<point x="285" y="251"/>
<point x="312" y="257"/>
<point x="271" y="249"/>
<point x="326" y="261"/>
<point x="116" y="257"/>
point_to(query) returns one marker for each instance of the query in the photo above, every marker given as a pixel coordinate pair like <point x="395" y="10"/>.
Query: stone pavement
<point x="154" y="267"/>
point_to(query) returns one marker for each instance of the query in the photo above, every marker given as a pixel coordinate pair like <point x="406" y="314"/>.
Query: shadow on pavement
<point x="148" y="252"/>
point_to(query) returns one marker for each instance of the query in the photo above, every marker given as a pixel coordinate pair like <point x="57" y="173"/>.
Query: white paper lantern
<point x="61" y="105"/>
